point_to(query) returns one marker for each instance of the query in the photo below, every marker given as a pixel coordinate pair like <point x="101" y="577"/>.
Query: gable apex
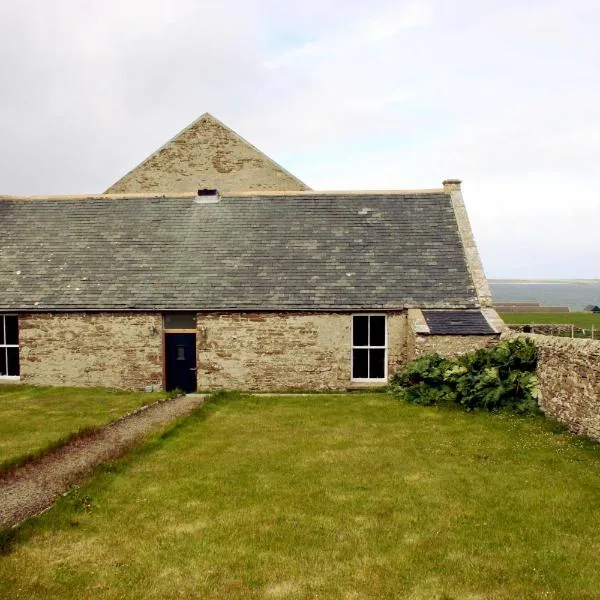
<point x="207" y="154"/>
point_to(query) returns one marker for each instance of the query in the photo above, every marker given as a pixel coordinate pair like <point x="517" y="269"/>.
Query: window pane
<point x="360" y="364"/>
<point x="3" y="361"/>
<point x="2" y="329"/>
<point x="180" y="353"/>
<point x="12" y="330"/>
<point x="360" y="331"/>
<point x="13" y="361"/>
<point x="377" y="364"/>
<point x="180" y="321"/>
<point x="377" y="331"/>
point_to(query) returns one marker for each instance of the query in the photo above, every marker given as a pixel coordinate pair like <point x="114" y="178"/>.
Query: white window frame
<point x="369" y="347"/>
<point x="4" y="346"/>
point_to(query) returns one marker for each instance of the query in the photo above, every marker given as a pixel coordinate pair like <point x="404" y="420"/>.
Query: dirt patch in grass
<point x="30" y="488"/>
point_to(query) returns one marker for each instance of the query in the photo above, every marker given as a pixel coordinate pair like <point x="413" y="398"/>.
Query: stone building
<point x="206" y="154"/>
<point x="210" y="266"/>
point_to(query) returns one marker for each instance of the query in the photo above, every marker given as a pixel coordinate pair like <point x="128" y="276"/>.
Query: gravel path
<point x="32" y="488"/>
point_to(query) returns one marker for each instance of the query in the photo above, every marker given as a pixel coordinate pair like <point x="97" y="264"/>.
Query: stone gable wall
<point x="452" y="186"/>
<point x="108" y="350"/>
<point x="569" y="377"/>
<point x="283" y="351"/>
<point x="206" y="154"/>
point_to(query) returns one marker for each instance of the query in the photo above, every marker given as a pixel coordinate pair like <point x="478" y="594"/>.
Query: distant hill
<point x="547" y="281"/>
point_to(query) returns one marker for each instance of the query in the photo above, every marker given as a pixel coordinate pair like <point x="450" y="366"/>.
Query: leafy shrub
<point x="422" y="381"/>
<point x="493" y="379"/>
<point x="8" y="537"/>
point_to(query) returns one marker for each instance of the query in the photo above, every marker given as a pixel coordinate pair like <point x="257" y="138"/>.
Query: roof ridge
<point x="405" y="192"/>
<point x="256" y="193"/>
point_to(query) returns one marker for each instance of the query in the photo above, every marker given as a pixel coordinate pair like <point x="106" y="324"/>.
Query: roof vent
<point x="207" y="196"/>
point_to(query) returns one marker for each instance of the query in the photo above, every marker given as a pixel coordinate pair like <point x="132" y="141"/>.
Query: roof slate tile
<point x="307" y="252"/>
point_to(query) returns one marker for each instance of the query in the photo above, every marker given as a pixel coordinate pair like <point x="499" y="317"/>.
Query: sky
<point x="345" y="94"/>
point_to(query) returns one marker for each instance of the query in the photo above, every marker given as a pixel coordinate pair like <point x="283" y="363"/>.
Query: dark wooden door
<point x="180" y="361"/>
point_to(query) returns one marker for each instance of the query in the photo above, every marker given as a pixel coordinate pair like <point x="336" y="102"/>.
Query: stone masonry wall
<point x="474" y="264"/>
<point x="108" y="350"/>
<point x="447" y="345"/>
<point x="569" y="377"/>
<point x="397" y="342"/>
<point x="206" y="154"/>
<point x="283" y="351"/>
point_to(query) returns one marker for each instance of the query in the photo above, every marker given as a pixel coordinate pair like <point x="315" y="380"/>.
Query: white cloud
<point x="347" y="41"/>
<point x="383" y="94"/>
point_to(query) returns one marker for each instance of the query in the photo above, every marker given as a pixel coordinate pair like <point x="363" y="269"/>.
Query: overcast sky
<point x="346" y="94"/>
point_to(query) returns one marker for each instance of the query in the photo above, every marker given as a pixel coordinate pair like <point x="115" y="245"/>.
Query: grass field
<point x="329" y="497"/>
<point x="579" y="319"/>
<point x="31" y="418"/>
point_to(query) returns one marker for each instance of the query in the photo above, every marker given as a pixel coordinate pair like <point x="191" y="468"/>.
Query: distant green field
<point x="579" y="319"/>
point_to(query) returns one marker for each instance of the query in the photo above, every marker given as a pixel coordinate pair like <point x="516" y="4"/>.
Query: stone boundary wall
<point x="115" y="350"/>
<point x="569" y="376"/>
<point x="542" y="329"/>
<point x="558" y="329"/>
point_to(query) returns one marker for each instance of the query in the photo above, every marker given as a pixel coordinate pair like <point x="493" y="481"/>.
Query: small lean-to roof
<point x="271" y="252"/>
<point x="206" y="153"/>
<point x="457" y="322"/>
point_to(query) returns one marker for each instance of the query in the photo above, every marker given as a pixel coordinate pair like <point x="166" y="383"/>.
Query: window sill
<point x="10" y="378"/>
<point x="364" y="384"/>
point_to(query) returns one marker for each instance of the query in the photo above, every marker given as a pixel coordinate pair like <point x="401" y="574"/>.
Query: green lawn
<point x="31" y="418"/>
<point x="329" y="497"/>
<point x="579" y="319"/>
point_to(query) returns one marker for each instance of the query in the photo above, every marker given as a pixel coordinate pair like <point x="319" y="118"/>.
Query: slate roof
<point x="305" y="251"/>
<point x="454" y="322"/>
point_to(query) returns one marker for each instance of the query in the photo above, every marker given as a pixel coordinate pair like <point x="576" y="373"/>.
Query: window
<point x="9" y="346"/>
<point x="180" y="321"/>
<point x="369" y="347"/>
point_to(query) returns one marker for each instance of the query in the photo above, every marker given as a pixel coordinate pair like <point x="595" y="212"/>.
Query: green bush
<point x="493" y="379"/>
